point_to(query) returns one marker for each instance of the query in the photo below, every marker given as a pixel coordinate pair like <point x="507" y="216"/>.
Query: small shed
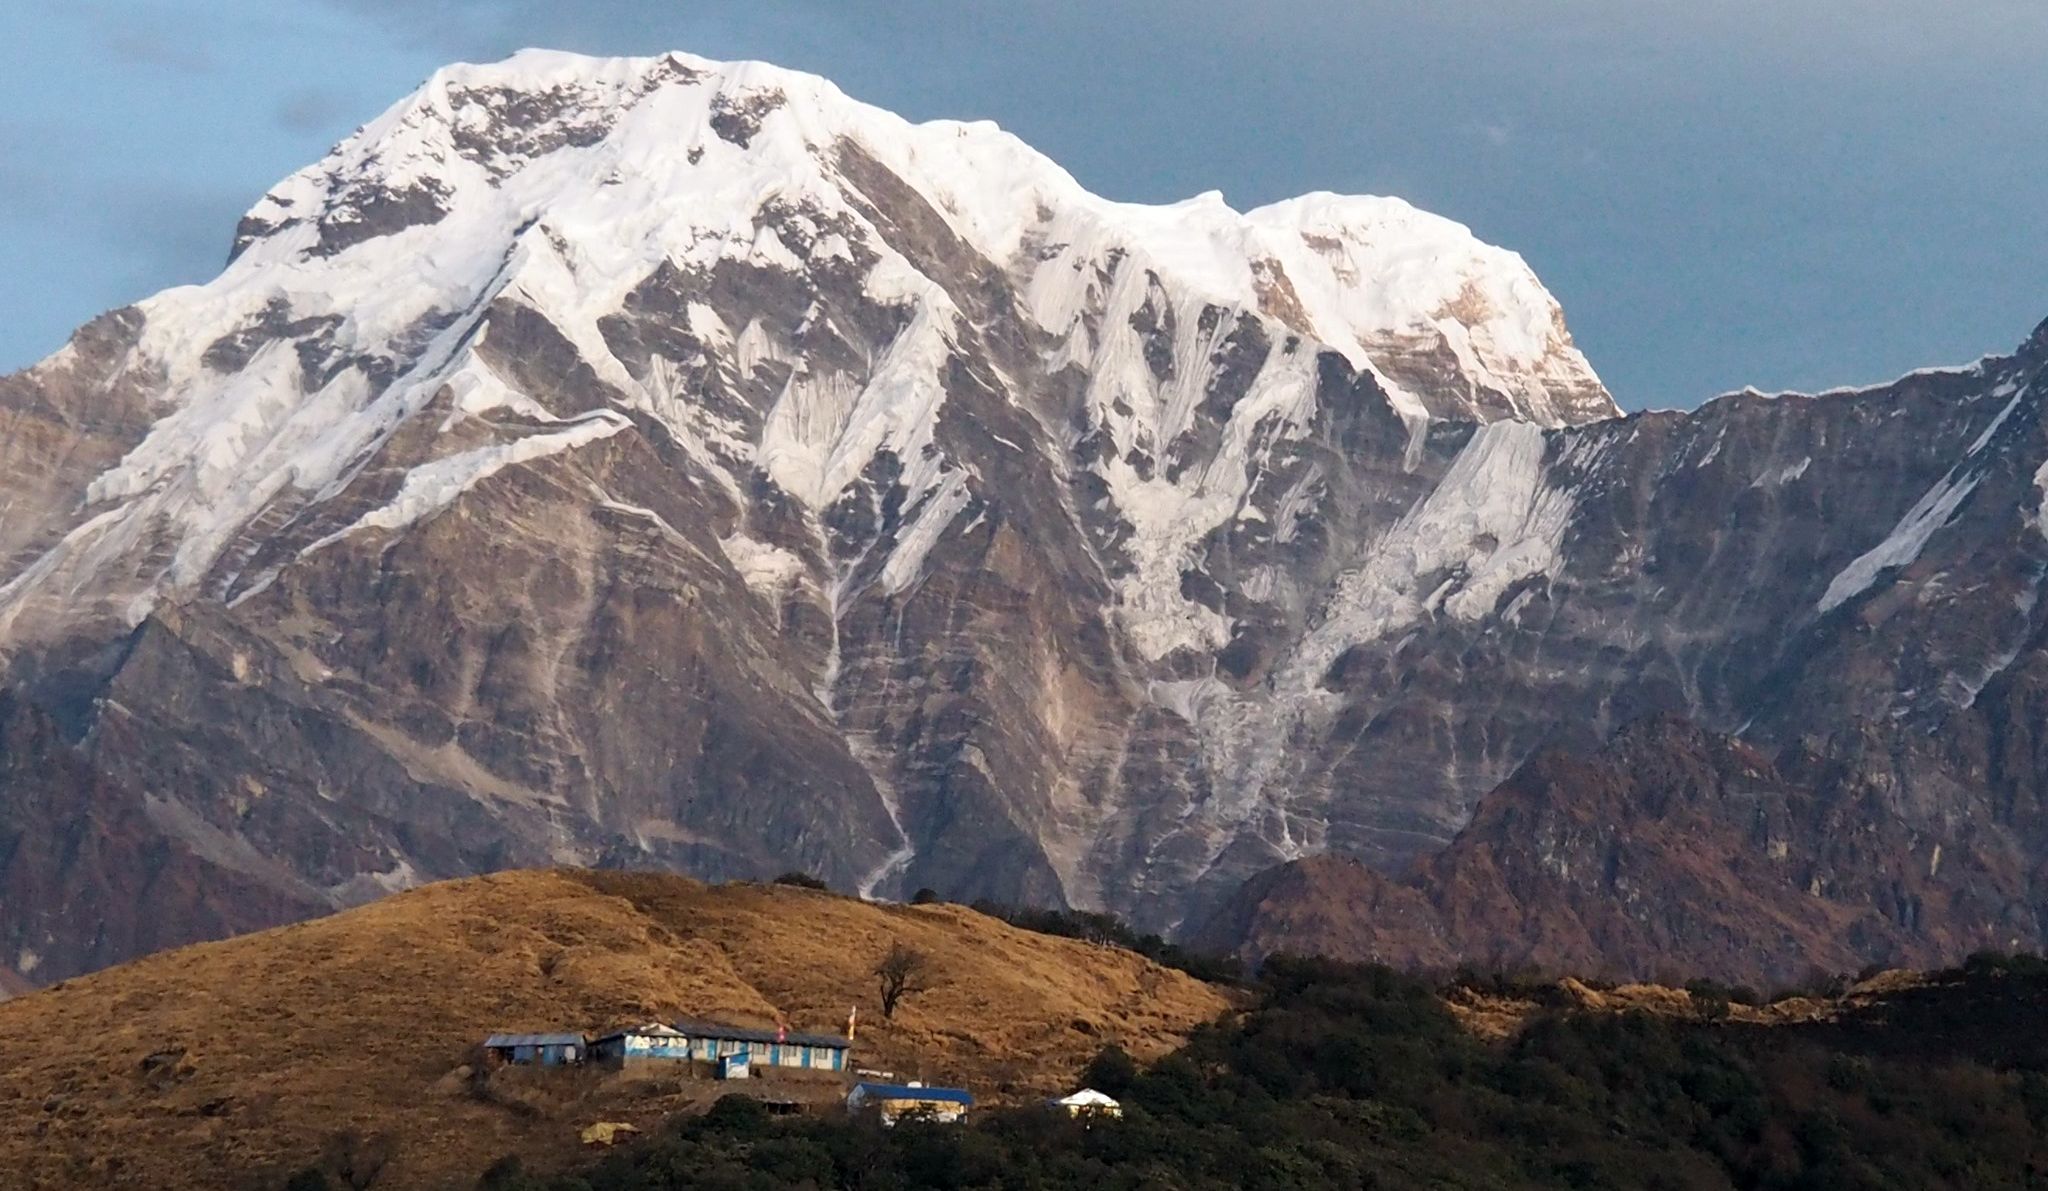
<point x="895" y="1101"/>
<point x="548" y="1050"/>
<point x="652" y="1043"/>
<point x="1089" y="1103"/>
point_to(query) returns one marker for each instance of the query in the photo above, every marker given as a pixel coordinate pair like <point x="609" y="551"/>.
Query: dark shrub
<point x="507" y="1174"/>
<point x="1111" y="1070"/>
<point x="738" y="1114"/>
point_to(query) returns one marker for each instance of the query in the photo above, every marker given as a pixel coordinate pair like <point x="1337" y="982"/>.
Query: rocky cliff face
<point x="1849" y="583"/>
<point x="657" y="461"/>
<point x="1674" y="852"/>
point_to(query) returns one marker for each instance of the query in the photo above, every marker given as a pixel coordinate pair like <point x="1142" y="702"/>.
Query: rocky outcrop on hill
<point x="665" y="462"/>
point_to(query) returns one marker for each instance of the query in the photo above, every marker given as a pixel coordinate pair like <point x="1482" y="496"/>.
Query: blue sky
<point x="1793" y="194"/>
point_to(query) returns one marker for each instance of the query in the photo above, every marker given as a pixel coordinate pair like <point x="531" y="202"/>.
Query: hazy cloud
<point x="315" y="111"/>
<point x="160" y="48"/>
<point x="160" y="226"/>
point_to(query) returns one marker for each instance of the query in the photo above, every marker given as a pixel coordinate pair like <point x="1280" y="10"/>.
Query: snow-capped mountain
<point x="659" y="461"/>
<point x="585" y="193"/>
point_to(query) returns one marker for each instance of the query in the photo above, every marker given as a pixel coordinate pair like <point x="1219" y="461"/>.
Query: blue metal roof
<point x="498" y="1041"/>
<point x="900" y="1091"/>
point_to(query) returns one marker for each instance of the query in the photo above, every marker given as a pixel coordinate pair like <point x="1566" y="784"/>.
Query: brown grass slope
<point x="349" y="1035"/>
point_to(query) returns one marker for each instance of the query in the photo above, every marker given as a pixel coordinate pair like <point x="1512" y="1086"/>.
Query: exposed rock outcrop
<point x="1673" y="852"/>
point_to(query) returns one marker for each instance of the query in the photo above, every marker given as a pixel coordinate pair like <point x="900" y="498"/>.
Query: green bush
<point x="1111" y="1071"/>
<point x="739" y="1115"/>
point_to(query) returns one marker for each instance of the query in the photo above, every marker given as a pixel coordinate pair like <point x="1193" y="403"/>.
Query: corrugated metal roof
<point x="653" y="1030"/>
<point x="899" y="1091"/>
<point x="721" y="1031"/>
<point x="497" y="1041"/>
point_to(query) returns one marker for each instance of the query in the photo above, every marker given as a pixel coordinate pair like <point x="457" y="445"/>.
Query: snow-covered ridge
<point x="646" y="147"/>
<point x="361" y="289"/>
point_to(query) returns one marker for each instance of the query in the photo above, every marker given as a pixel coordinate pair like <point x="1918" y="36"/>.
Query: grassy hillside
<point x="225" y="1065"/>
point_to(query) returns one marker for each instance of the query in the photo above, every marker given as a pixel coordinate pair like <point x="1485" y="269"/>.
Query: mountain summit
<point x="663" y="462"/>
<point x="816" y="264"/>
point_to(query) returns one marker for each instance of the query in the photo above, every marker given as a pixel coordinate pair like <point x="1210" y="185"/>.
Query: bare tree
<point x="903" y="971"/>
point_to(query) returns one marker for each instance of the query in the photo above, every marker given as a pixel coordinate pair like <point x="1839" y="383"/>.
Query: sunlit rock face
<point x="666" y="462"/>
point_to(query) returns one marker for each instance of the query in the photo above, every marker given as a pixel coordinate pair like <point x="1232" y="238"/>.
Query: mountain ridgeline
<point x="666" y="463"/>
